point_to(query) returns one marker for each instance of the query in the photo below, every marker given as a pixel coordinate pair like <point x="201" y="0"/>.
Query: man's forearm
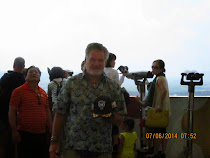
<point x="57" y="125"/>
<point x="12" y="118"/>
<point x="49" y="118"/>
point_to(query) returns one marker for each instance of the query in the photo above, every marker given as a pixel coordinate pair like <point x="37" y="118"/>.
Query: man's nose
<point x="96" y="62"/>
<point x="34" y="73"/>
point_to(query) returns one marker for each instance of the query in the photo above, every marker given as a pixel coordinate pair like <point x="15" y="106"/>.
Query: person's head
<point x="19" y="64"/>
<point x="128" y="124"/>
<point x="111" y="60"/>
<point x="56" y="72"/>
<point x="83" y="65"/>
<point x="158" y="67"/>
<point x="95" y="59"/>
<point x="33" y="74"/>
<point x="68" y="73"/>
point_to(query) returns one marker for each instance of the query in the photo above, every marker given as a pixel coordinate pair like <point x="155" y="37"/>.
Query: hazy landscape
<point x="175" y="89"/>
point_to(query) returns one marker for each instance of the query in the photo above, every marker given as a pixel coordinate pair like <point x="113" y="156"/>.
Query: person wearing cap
<point x="68" y="73"/>
<point x="86" y="135"/>
<point x="57" y="80"/>
<point x="29" y="103"/>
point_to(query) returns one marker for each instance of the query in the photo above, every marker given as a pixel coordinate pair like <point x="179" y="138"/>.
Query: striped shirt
<point x="52" y="88"/>
<point x="31" y="108"/>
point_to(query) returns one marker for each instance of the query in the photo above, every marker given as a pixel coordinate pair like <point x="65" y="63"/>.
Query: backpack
<point x="59" y="86"/>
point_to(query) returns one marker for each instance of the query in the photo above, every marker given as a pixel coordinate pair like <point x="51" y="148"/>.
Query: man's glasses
<point x="155" y="67"/>
<point x="39" y="99"/>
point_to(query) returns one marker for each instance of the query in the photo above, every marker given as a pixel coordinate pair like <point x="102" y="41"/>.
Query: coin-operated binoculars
<point x="137" y="77"/>
<point x="140" y="79"/>
<point x="193" y="79"/>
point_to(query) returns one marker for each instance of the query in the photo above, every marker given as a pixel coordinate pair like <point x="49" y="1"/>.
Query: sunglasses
<point x="155" y="67"/>
<point x="39" y="99"/>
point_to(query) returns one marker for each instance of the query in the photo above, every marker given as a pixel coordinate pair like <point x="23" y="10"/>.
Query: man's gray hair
<point x="96" y="46"/>
<point x="19" y="62"/>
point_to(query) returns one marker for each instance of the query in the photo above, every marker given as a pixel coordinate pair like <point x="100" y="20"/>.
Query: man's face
<point x="95" y="62"/>
<point x="33" y="75"/>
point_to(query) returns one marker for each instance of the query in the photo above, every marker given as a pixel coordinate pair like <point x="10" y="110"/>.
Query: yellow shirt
<point x="128" y="146"/>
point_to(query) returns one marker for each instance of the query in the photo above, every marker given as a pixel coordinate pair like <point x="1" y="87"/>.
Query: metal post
<point x="190" y="109"/>
<point x="136" y="76"/>
<point x="141" y="89"/>
<point x="191" y="90"/>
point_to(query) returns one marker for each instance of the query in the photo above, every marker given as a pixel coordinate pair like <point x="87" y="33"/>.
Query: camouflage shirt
<point x="82" y="130"/>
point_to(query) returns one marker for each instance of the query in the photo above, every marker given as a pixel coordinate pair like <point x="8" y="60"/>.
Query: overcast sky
<point x="56" y="33"/>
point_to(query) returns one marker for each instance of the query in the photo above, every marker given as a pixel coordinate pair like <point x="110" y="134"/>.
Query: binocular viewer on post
<point x="123" y="69"/>
<point x="191" y="77"/>
<point x="135" y="75"/>
<point x="193" y="80"/>
<point x="139" y="75"/>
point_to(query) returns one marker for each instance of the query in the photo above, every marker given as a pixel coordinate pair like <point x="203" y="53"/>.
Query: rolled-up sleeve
<point x="62" y="104"/>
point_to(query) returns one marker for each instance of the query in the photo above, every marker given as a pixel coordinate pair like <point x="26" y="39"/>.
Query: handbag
<point x="156" y="119"/>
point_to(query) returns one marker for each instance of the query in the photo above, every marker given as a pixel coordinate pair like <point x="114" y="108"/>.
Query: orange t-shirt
<point x="31" y="115"/>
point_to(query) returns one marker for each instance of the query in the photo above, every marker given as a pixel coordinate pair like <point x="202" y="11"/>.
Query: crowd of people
<point x="78" y="117"/>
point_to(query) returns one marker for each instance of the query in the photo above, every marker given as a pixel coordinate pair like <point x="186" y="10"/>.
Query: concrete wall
<point x="178" y="125"/>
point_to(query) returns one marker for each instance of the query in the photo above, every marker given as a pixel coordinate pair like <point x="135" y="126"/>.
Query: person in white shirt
<point x="111" y="72"/>
<point x="57" y="80"/>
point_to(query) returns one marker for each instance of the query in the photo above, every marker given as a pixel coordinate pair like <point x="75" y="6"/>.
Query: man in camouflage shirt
<point x="86" y="136"/>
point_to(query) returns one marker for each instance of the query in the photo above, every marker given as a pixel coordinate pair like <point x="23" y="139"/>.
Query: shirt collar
<point x="26" y="86"/>
<point x="85" y="80"/>
<point x="103" y="77"/>
<point x="58" y="79"/>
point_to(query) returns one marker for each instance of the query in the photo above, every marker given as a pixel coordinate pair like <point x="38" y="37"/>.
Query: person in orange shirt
<point x="30" y="104"/>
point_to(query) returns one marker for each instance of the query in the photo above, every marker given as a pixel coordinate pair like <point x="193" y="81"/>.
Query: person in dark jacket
<point x="8" y="82"/>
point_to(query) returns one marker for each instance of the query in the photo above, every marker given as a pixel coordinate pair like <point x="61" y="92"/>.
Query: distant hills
<point x="175" y="89"/>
